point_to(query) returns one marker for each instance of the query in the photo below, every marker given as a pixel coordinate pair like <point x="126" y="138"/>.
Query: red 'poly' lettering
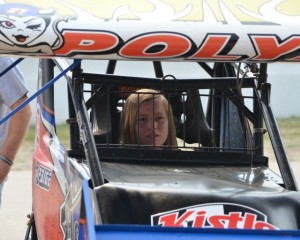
<point x="270" y="48"/>
<point x="215" y="46"/>
<point x="171" y="220"/>
<point x="156" y="45"/>
<point x="87" y="41"/>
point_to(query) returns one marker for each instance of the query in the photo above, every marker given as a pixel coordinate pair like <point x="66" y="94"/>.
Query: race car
<point x="209" y="59"/>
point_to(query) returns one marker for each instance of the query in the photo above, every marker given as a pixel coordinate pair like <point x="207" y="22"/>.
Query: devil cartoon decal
<point x="23" y="29"/>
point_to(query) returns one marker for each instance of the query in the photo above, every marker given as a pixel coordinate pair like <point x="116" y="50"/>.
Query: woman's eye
<point x="7" y="24"/>
<point x="160" y="118"/>
<point x="34" y="27"/>
<point x="142" y="119"/>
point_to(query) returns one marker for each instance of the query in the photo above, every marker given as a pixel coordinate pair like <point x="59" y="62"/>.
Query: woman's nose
<point x="151" y="124"/>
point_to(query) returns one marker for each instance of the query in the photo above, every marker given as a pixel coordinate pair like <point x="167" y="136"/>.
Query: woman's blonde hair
<point x="130" y="112"/>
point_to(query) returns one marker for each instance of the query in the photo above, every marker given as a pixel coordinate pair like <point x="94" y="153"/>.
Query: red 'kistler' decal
<point x="216" y="215"/>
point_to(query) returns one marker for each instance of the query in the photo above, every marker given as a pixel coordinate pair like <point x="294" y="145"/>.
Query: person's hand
<point x="4" y="170"/>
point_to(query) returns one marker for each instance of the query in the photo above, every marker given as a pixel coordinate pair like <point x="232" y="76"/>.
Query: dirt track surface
<point x="16" y="204"/>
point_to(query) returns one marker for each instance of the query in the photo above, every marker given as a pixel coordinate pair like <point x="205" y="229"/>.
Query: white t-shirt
<point x="12" y="88"/>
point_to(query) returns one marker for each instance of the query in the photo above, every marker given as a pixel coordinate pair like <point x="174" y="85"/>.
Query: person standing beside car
<point x="13" y="92"/>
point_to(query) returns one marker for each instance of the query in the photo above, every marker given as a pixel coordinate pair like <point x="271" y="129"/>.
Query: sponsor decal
<point x="42" y="176"/>
<point x="162" y="45"/>
<point x="124" y="91"/>
<point x="215" y="215"/>
<point x="34" y="30"/>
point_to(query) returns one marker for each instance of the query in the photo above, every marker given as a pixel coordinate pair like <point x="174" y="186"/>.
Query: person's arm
<point x="17" y="130"/>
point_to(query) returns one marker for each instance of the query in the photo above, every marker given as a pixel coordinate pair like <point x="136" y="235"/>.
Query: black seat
<point x="192" y="125"/>
<point x="105" y="116"/>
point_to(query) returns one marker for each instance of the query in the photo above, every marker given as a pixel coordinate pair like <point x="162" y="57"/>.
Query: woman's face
<point x="22" y="31"/>
<point x="152" y="123"/>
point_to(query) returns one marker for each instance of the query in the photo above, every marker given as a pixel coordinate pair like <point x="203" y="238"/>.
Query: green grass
<point x="31" y="134"/>
<point x="62" y="131"/>
<point x="290" y="133"/>
<point x="290" y="128"/>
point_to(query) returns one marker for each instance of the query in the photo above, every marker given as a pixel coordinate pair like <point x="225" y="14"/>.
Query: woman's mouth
<point x="21" y="38"/>
<point x="151" y="136"/>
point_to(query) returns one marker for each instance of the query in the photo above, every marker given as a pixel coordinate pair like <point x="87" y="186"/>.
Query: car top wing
<point x="226" y="31"/>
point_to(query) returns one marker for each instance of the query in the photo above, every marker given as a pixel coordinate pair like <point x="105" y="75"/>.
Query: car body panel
<point x="86" y="193"/>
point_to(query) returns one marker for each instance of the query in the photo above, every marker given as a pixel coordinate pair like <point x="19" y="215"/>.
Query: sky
<point x="284" y="78"/>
